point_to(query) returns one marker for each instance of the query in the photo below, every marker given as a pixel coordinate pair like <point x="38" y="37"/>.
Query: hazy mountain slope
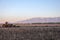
<point x="40" y="20"/>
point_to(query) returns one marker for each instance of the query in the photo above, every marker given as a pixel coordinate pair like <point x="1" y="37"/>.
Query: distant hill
<point x="40" y="20"/>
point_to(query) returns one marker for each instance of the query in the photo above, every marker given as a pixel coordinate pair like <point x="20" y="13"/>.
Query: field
<point x="38" y="24"/>
<point x="30" y="33"/>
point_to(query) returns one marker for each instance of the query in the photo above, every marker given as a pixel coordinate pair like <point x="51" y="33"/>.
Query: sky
<point x="15" y="10"/>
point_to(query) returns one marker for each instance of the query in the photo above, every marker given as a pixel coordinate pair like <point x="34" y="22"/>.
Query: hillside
<point x="40" y="20"/>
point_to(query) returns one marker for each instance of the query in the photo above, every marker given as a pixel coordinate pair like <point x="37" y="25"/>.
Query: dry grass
<point x="42" y="24"/>
<point x="30" y="33"/>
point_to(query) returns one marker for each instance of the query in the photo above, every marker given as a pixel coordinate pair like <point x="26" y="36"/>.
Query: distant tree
<point x="9" y="25"/>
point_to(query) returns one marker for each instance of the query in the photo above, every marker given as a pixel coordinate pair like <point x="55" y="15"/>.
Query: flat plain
<point x="30" y="33"/>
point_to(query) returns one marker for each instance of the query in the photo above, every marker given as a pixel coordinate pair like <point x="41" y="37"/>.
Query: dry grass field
<point x="30" y="33"/>
<point x="38" y="24"/>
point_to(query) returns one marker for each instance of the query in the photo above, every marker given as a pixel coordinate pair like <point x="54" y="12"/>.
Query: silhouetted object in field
<point x="9" y="25"/>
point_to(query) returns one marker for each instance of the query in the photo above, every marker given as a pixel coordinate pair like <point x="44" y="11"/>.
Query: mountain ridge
<point x="40" y="20"/>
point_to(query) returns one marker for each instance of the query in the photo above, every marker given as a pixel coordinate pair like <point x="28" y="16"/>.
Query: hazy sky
<point x="22" y="9"/>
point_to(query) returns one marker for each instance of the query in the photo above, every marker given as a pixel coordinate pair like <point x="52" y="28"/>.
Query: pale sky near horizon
<point x="14" y="10"/>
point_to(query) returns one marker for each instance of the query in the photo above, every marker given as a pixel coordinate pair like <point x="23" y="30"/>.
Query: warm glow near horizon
<point x="12" y="19"/>
<point x="16" y="19"/>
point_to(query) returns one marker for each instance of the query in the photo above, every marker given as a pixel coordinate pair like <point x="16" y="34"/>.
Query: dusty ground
<point x="30" y="33"/>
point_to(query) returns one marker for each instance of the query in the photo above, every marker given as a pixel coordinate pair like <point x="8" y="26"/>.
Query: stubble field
<point x="30" y="33"/>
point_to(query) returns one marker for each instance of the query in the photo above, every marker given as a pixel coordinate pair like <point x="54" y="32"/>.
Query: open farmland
<point x="38" y="24"/>
<point x="30" y="33"/>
